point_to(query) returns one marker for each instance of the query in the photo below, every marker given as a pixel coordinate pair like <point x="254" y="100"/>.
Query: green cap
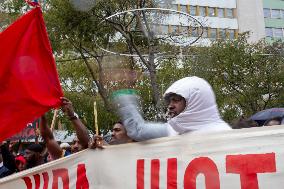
<point x="122" y="92"/>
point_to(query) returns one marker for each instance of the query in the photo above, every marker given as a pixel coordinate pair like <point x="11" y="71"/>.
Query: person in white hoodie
<point x="191" y="108"/>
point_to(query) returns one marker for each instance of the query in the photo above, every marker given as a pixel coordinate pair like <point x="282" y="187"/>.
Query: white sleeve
<point x="171" y="131"/>
<point x="137" y="128"/>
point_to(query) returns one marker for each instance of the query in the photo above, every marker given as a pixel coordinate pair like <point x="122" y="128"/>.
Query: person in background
<point x="54" y="149"/>
<point x="20" y="163"/>
<point x="82" y="139"/>
<point x="7" y="158"/>
<point x="273" y="121"/>
<point x="76" y="145"/>
<point x="4" y="171"/>
<point x="119" y="134"/>
<point x="12" y="148"/>
<point x="244" y="123"/>
<point x="34" y="155"/>
<point x="66" y="148"/>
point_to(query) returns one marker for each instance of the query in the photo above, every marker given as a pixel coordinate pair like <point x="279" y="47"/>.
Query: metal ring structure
<point x="151" y="9"/>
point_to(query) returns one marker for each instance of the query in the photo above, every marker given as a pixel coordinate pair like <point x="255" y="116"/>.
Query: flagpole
<point x="96" y="118"/>
<point x="53" y="119"/>
<point x="36" y="130"/>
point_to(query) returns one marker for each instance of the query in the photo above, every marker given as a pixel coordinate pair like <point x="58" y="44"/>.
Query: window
<point x="163" y="5"/>
<point x="231" y="34"/>
<point x="278" y="32"/>
<point x="213" y="33"/>
<point x="221" y="12"/>
<point x="266" y="13"/>
<point x="268" y="32"/>
<point x="192" y="10"/>
<point x="230" y="13"/>
<point x="184" y="30"/>
<point x="202" y="11"/>
<point x="183" y="8"/>
<point x="175" y="7"/>
<point x="155" y="28"/>
<point x="275" y="13"/>
<point x="174" y="30"/>
<point x="211" y="11"/>
<point x="164" y="29"/>
<point x="222" y="33"/>
<point x="194" y="32"/>
<point x="236" y="33"/>
<point x="205" y="32"/>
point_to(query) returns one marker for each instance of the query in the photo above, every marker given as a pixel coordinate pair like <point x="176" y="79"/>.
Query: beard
<point x="170" y="115"/>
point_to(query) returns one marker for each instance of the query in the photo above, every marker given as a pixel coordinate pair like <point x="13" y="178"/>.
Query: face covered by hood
<point x="201" y="112"/>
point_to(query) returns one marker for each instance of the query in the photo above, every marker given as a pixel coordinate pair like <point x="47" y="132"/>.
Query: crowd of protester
<point x="191" y="107"/>
<point x="19" y="156"/>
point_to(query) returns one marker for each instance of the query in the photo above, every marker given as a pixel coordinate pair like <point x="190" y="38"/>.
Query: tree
<point x="78" y="36"/>
<point x="141" y="39"/>
<point x="79" y="88"/>
<point x="246" y="77"/>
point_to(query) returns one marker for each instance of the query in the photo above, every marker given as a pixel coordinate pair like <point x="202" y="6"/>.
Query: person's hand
<point x="96" y="142"/>
<point x="67" y="107"/>
<point x="125" y="98"/>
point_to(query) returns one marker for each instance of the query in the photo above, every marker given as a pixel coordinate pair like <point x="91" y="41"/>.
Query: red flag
<point x="29" y="84"/>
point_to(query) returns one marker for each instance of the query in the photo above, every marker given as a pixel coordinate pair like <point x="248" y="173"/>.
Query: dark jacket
<point x="4" y="171"/>
<point x="8" y="159"/>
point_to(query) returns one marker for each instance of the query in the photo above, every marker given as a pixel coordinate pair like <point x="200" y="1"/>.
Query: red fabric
<point x="29" y="84"/>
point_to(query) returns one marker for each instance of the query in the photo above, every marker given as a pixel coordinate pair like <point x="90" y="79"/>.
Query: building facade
<point x="227" y="18"/>
<point x="218" y="18"/>
<point x="273" y="11"/>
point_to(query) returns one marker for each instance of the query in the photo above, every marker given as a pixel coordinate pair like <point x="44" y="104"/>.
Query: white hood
<point x="201" y="112"/>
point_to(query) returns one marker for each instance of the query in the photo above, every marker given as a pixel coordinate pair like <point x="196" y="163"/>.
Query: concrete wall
<point x="250" y="18"/>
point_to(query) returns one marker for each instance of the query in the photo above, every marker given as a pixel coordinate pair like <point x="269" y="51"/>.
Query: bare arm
<point x="47" y="135"/>
<point x="80" y="128"/>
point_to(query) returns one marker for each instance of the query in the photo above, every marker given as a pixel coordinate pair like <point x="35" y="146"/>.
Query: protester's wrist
<point x="73" y="116"/>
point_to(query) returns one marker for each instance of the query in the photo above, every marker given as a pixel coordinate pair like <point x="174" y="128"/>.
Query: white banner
<point x="238" y="159"/>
